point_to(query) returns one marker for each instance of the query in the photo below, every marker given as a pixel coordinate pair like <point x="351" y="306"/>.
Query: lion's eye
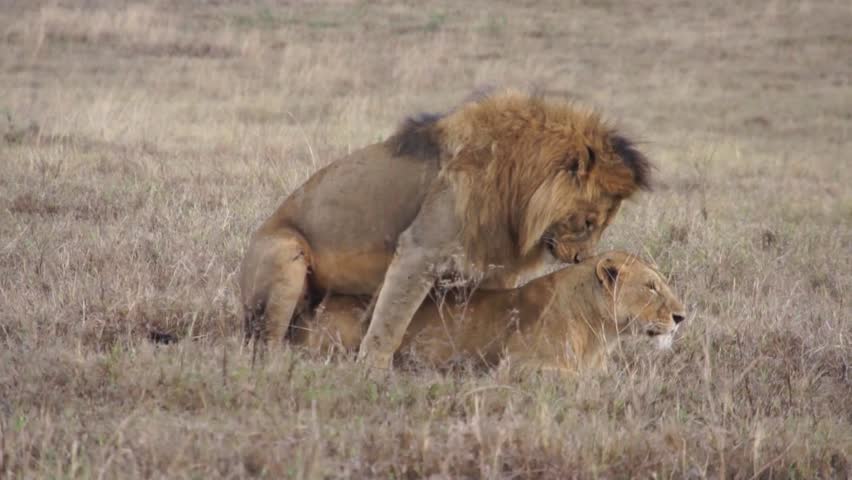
<point x="592" y="157"/>
<point x="652" y="286"/>
<point x="573" y="168"/>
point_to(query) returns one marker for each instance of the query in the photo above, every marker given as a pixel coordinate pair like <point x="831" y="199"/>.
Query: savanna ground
<point x="142" y="143"/>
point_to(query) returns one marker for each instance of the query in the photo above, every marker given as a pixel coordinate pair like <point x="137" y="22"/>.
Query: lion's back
<point x="352" y="212"/>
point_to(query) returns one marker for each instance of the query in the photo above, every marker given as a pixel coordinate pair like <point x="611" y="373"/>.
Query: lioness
<point x="564" y="321"/>
<point x="500" y="191"/>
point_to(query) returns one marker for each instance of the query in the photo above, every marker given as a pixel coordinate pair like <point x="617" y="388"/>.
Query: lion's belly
<point x="349" y="273"/>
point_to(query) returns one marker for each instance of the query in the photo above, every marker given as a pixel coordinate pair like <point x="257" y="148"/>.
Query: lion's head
<point x="531" y="175"/>
<point x="639" y="299"/>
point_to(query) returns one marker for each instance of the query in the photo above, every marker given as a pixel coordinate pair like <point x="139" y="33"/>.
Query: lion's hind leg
<point x="274" y="285"/>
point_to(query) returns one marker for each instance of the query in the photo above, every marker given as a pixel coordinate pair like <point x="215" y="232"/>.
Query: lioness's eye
<point x="652" y="286"/>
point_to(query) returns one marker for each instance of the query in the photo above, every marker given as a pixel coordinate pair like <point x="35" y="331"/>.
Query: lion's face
<point x="642" y="302"/>
<point x="589" y="178"/>
<point x="574" y="237"/>
<point x="535" y="177"/>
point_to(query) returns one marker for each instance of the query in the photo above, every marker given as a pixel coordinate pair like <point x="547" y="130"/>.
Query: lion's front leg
<point x="423" y="251"/>
<point x="536" y="264"/>
<point x="409" y="278"/>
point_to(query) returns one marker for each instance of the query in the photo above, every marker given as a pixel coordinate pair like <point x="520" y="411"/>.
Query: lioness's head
<point x="531" y="175"/>
<point x="638" y="298"/>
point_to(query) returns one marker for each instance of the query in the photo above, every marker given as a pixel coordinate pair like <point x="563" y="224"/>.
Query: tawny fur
<point x="509" y="181"/>
<point x="565" y="321"/>
<point x="519" y="164"/>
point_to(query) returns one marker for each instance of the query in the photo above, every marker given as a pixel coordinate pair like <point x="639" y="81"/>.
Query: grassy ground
<point x="141" y="144"/>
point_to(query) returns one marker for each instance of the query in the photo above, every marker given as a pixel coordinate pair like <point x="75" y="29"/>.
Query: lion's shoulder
<point x="417" y="137"/>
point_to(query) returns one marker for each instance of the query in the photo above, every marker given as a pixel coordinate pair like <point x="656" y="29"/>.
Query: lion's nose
<point x="677" y="318"/>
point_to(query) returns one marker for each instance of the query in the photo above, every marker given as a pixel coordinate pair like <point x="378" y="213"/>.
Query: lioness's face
<point x="643" y="302"/>
<point x="575" y="237"/>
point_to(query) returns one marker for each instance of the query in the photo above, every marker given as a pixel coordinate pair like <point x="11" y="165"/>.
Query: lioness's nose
<point x="677" y="318"/>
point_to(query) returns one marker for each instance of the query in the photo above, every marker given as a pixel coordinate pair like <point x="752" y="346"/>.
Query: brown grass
<point x="141" y="144"/>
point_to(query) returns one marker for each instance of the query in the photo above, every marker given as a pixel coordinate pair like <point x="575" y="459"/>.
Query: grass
<point x="141" y="145"/>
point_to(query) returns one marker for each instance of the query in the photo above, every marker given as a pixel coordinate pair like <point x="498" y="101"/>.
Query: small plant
<point x="16" y="133"/>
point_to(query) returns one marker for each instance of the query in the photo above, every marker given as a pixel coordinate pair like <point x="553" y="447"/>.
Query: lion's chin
<point x="664" y="341"/>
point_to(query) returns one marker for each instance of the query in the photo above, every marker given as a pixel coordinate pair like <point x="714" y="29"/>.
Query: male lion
<point x="499" y="191"/>
<point x="564" y="321"/>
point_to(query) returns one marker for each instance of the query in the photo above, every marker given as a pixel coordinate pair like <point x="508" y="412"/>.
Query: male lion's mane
<point x="518" y="160"/>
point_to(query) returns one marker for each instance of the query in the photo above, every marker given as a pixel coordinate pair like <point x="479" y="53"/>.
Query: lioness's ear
<point x="607" y="273"/>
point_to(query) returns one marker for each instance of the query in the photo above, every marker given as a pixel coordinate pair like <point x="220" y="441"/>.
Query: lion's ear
<point x="632" y="162"/>
<point x="578" y="166"/>
<point x="607" y="273"/>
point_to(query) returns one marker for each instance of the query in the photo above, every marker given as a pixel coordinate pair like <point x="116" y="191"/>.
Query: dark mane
<point x="417" y="137"/>
<point x="633" y="159"/>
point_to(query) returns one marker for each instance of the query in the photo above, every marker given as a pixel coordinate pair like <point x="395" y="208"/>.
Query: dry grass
<point x="141" y="144"/>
